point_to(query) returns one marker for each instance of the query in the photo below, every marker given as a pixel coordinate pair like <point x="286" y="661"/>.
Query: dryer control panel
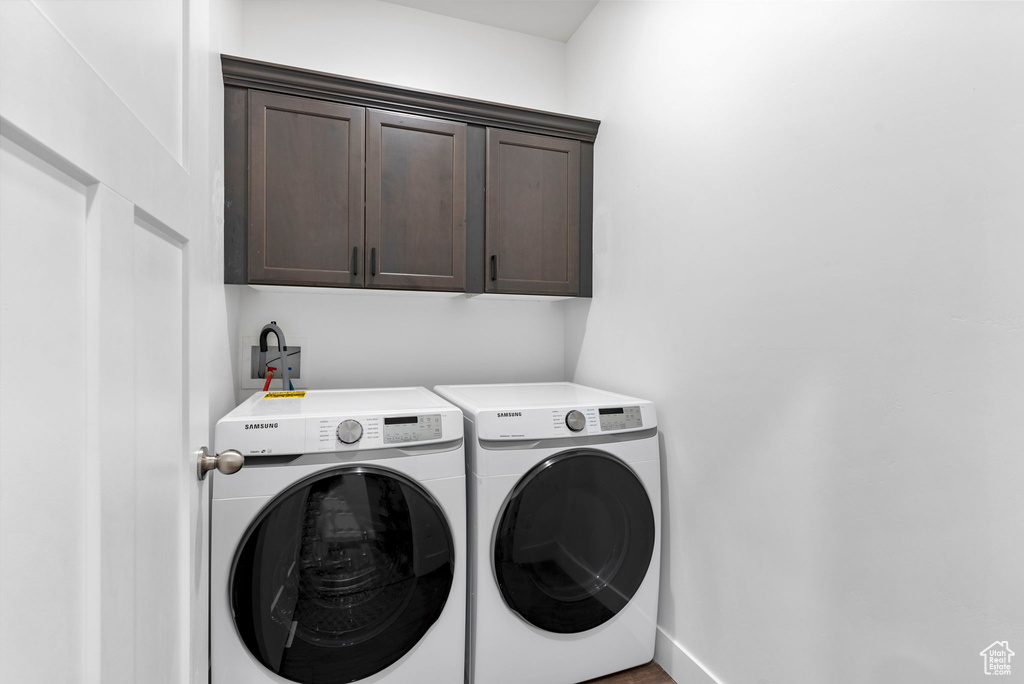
<point x="565" y="421"/>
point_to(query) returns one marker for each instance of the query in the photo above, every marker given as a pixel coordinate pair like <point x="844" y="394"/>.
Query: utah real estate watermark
<point x="997" y="658"/>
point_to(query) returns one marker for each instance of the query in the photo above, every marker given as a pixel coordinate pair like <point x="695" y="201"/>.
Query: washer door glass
<point x="341" y="575"/>
<point x="574" y="541"/>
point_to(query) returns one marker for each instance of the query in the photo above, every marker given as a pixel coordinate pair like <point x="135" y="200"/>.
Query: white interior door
<point x="105" y="230"/>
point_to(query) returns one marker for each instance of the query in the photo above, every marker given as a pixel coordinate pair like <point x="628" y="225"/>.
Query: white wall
<point x="225" y="38"/>
<point x="390" y="43"/>
<point x="368" y="340"/>
<point x="385" y="340"/>
<point x="809" y="237"/>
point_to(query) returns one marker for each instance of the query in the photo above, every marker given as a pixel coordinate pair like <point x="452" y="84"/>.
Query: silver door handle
<point x="227" y="462"/>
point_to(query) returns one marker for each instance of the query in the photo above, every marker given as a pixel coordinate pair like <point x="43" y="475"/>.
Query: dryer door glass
<point x="341" y="575"/>
<point x="574" y="541"/>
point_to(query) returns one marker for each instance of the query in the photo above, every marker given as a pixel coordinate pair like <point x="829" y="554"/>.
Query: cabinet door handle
<point x="494" y="267"/>
<point x="373" y="261"/>
<point x="355" y="261"/>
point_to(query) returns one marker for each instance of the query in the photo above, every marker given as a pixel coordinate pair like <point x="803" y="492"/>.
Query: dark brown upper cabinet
<point x="338" y="182"/>
<point x="533" y="213"/>
<point x="415" y="202"/>
<point x="305" y="190"/>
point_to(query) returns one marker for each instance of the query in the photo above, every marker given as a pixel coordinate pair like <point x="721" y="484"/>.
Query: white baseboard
<point x="679" y="664"/>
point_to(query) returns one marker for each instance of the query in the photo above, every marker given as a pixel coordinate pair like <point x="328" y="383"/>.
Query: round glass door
<point x="574" y="541"/>
<point x="341" y="575"/>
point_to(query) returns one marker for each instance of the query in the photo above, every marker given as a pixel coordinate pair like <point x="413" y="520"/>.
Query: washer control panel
<point x="343" y="433"/>
<point x="401" y="429"/>
<point x="620" y="418"/>
<point x="342" y="421"/>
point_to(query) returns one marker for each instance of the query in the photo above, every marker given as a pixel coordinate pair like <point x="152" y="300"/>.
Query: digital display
<point x="620" y="418"/>
<point x="401" y="429"/>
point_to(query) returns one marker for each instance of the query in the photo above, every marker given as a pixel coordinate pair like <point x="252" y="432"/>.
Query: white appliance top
<point x="297" y="422"/>
<point x="329" y="402"/>
<point x="476" y="398"/>
<point x="548" y="410"/>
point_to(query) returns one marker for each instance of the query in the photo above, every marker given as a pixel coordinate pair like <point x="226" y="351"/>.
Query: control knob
<point x="575" y="421"/>
<point x="349" y="431"/>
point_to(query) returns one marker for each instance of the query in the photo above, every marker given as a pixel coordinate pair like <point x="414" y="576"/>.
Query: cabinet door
<point x="415" y="202"/>
<point x="305" y="191"/>
<point x="533" y="214"/>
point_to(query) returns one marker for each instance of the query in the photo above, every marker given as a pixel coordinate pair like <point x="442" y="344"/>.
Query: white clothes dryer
<point x="565" y="533"/>
<point x="339" y="550"/>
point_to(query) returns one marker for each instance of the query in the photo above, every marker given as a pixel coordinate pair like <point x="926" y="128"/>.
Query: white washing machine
<point x="565" y="533"/>
<point x="339" y="550"/>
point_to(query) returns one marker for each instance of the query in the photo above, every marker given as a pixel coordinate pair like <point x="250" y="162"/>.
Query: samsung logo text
<point x="260" y="426"/>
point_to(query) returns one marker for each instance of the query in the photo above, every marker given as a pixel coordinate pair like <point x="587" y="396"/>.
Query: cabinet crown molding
<point x="277" y="78"/>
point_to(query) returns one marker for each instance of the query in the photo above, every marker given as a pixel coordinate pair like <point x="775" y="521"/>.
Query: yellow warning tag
<point x="283" y="395"/>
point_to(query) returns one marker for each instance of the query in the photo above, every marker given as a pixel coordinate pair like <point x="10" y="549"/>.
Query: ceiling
<point x="554" y="19"/>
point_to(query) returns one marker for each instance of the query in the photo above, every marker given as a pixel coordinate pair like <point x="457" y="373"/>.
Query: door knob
<point x="227" y="462"/>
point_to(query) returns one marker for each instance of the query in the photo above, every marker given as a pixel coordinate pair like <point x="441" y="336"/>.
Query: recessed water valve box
<point x="274" y="359"/>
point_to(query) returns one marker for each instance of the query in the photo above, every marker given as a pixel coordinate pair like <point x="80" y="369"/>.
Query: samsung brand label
<point x="260" y="426"/>
<point x="511" y="414"/>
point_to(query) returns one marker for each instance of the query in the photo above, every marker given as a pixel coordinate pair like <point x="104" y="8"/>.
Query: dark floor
<point x="651" y="673"/>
